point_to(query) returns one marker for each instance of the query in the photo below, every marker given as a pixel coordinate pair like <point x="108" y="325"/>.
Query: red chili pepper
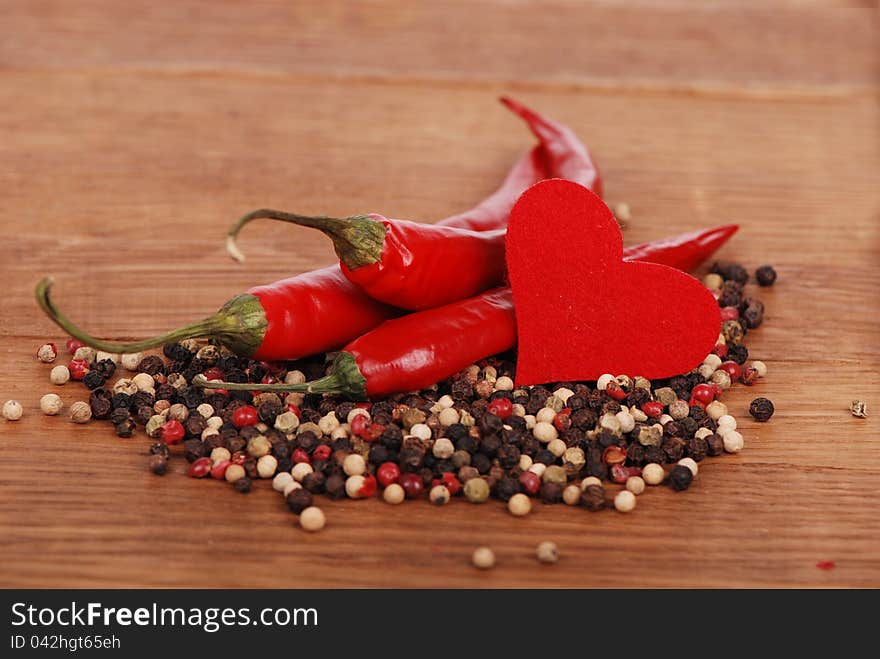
<point x="420" y="266"/>
<point x="415" y="351"/>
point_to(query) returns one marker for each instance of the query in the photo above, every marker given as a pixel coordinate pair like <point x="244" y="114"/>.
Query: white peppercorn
<point x="51" y="404"/>
<point x="394" y="494"/>
<point x="547" y="552"/>
<point x="545" y="414"/>
<point x="131" y="361"/>
<point x="207" y="432"/>
<point x="449" y="416"/>
<point x="713" y="281"/>
<point x="420" y="430"/>
<point x="679" y="409"/>
<point x="294" y="377"/>
<point x="112" y="356"/>
<point x="220" y="453"/>
<point x="518" y="409"/>
<point x="80" y="412"/>
<point x="712" y="360"/>
<point x="86" y="354"/>
<point x="702" y="433"/>
<point x="538" y="469"/>
<point x="571" y="495"/>
<point x="726" y="421"/>
<point x="354" y="465"/>
<point x="327" y="423"/>
<point x="525" y="462"/>
<point x="233" y="473"/>
<point x="504" y="383"/>
<point x="519" y="505"/>
<point x="154" y="425"/>
<point x="125" y="386"/>
<point x="635" y="484"/>
<point x="557" y="447"/>
<point x="733" y="441"/>
<point x="47" y="353"/>
<point x="59" y="375"/>
<point x="716" y="409"/>
<point x="439" y="495"/>
<point x="282" y="479"/>
<point x="545" y="432"/>
<point x="626" y="420"/>
<point x="12" y="410"/>
<point x="611" y="423"/>
<point x="653" y="474"/>
<point x="638" y="414"/>
<point x="625" y="501"/>
<point x="443" y="448"/>
<point x="286" y="422"/>
<point x="215" y="422"/>
<point x="178" y="411"/>
<point x="706" y="371"/>
<point x="301" y="470"/>
<point x="266" y="466"/>
<point x="312" y="519"/>
<point x="483" y="558"/>
<point x="722" y="379"/>
<point x="760" y="368"/>
<point x="206" y="411"/>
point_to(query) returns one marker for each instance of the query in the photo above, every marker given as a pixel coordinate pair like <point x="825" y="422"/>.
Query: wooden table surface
<point x="132" y="133"/>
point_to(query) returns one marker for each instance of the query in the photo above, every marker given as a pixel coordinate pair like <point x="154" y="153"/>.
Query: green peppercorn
<point x="476" y="490"/>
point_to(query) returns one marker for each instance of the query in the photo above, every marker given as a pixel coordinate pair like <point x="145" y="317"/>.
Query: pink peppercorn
<point x="412" y="485"/>
<point x="704" y="393"/>
<point x="748" y="376"/>
<point x="451" y="482"/>
<point x="388" y="473"/>
<point x="293" y="408"/>
<point x="500" y="407"/>
<point x="620" y="474"/>
<point x="214" y="373"/>
<point x="200" y="468"/>
<point x="299" y="455"/>
<point x="615" y="390"/>
<point x="269" y="379"/>
<point x="373" y="431"/>
<point x="530" y="482"/>
<point x="239" y="458"/>
<point x="359" y="425"/>
<point x="246" y="415"/>
<point x="720" y="349"/>
<point x="732" y="368"/>
<point x="729" y="313"/>
<point x="653" y="408"/>
<point x="171" y="431"/>
<point x="78" y="368"/>
<point x="322" y="452"/>
<point x="73" y="345"/>
<point x="562" y="420"/>
<point x="218" y="471"/>
<point x="369" y="487"/>
<point x="613" y="455"/>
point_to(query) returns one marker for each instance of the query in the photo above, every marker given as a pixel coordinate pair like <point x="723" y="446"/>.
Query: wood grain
<point x="126" y="153"/>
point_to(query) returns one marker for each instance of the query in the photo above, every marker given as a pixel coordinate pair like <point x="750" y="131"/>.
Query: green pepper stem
<point x="237" y="325"/>
<point x="345" y="378"/>
<point x="358" y="240"/>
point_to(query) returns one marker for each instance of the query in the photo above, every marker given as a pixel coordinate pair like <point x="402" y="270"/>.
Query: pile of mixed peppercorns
<point x="475" y="435"/>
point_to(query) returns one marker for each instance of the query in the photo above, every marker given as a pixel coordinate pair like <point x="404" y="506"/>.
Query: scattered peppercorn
<point x="765" y="275"/>
<point x="80" y="412"/>
<point x="483" y="558"/>
<point x="859" y="408"/>
<point x="158" y="464"/>
<point x="547" y="552"/>
<point x="761" y="409"/>
<point x="680" y="478"/>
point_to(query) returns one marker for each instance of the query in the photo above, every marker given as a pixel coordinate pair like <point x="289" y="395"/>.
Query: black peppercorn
<point x="334" y="486"/>
<point x="193" y="449"/>
<point x="120" y="400"/>
<point x="118" y="415"/>
<point x="93" y="380"/>
<point x="681" y="478"/>
<point x="151" y="364"/>
<point x="673" y="447"/>
<point x="243" y="485"/>
<point x="158" y="464"/>
<point x="490" y="444"/>
<point x="765" y="275"/>
<point x="593" y="497"/>
<point x="761" y="409"/>
<point x="737" y="353"/>
<point x="714" y="445"/>
<point x="696" y="448"/>
<point x="314" y="482"/>
<point x="99" y="401"/>
<point x="481" y="463"/>
<point x="160" y="448"/>
<point x="105" y="368"/>
<point x="551" y="493"/>
<point x="195" y="424"/>
<point x="506" y="488"/>
<point x="176" y="352"/>
<point x="143" y="414"/>
<point x="125" y="428"/>
<point x="166" y="392"/>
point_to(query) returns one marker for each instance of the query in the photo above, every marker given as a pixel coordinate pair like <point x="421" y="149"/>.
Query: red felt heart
<point x="581" y="310"/>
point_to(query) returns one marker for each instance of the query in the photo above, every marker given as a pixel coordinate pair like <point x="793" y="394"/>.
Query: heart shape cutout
<point x="581" y="310"/>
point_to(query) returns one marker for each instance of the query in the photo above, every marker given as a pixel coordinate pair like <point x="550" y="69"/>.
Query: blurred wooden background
<point x="132" y="134"/>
